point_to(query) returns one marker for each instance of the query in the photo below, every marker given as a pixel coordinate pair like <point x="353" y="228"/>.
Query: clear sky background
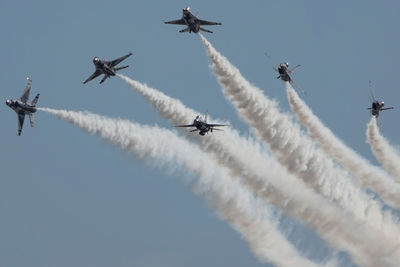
<point x="70" y="199"/>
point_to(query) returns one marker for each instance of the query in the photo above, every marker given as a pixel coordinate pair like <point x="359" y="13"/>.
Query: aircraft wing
<point x="187" y="125"/>
<point x="25" y="94"/>
<point x="387" y="108"/>
<point x="178" y="21"/>
<point x="205" y="22"/>
<point x="94" y="75"/>
<point x="119" y="60"/>
<point x="273" y="62"/>
<point x="372" y="92"/>
<point x="21" y="118"/>
<point x="218" y="125"/>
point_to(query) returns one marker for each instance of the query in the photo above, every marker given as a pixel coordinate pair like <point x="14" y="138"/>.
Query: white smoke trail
<point x="294" y="150"/>
<point x="234" y="204"/>
<point x="269" y="181"/>
<point x="383" y="151"/>
<point x="370" y="176"/>
<point x="168" y="107"/>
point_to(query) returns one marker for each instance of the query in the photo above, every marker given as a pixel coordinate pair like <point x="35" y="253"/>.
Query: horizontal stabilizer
<point x="185" y="30"/>
<point x="21" y="118"/>
<point x="205" y="30"/>
<point x="104" y="78"/>
<point x="31" y="117"/>
<point x="120" y="68"/>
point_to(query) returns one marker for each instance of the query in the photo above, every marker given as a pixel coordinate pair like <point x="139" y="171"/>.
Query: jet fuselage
<point x="201" y="126"/>
<point x="20" y="107"/>
<point x="376" y="107"/>
<point x="283" y="73"/>
<point x="191" y="21"/>
<point x="103" y="66"/>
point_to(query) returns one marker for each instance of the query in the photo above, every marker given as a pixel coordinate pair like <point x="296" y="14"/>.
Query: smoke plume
<point x="235" y="205"/>
<point x="294" y="150"/>
<point x="267" y="179"/>
<point x="383" y="151"/>
<point x="369" y="175"/>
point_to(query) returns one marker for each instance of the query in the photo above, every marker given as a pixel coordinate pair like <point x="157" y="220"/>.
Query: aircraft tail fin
<point x="31" y="117"/>
<point x="120" y="68"/>
<point x="205" y="30"/>
<point x="35" y="100"/>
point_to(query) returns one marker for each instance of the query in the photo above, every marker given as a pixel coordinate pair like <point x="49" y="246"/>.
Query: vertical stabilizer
<point x="35" y="100"/>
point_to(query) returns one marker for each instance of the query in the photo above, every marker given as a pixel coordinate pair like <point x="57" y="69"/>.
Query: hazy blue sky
<point x="70" y="199"/>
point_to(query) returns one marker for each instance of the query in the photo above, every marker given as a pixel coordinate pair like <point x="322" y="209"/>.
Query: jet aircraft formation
<point x="109" y="68"/>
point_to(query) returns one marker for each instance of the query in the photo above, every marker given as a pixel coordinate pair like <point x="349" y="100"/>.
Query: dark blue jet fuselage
<point x="376" y="107"/>
<point x="103" y="66"/>
<point x="191" y="21"/>
<point x="283" y="73"/>
<point x="21" y="107"/>
<point x="201" y="126"/>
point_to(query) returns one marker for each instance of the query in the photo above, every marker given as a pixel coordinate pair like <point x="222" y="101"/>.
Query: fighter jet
<point x="376" y="106"/>
<point x="106" y="67"/>
<point x="22" y="107"/>
<point x="284" y="71"/>
<point x="192" y="22"/>
<point x="202" y="126"/>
